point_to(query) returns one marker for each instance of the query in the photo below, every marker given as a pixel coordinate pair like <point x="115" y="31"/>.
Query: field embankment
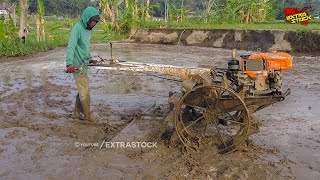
<point x="299" y="41"/>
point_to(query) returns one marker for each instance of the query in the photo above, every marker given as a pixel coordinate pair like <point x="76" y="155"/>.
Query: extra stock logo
<point x="293" y="15"/>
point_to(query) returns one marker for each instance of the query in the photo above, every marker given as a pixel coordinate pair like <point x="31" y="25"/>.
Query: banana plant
<point x="248" y="11"/>
<point x="147" y="9"/>
<point x="184" y="12"/>
<point x="8" y="33"/>
<point x="126" y="18"/>
<point x="3" y="33"/>
<point x="40" y="21"/>
<point x="108" y="9"/>
<point x="173" y="11"/>
<point x="208" y="9"/>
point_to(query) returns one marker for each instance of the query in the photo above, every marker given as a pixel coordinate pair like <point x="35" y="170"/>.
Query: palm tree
<point x="23" y="18"/>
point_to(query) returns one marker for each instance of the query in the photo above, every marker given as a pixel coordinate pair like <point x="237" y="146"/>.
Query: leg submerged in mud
<point x="82" y="82"/>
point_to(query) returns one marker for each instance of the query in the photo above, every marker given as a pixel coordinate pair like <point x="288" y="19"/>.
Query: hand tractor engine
<point x="259" y="72"/>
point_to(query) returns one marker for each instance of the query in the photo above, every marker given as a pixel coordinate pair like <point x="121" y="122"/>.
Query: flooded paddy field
<point x="40" y="139"/>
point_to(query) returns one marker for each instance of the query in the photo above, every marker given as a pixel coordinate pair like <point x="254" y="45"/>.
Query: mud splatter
<point x="39" y="138"/>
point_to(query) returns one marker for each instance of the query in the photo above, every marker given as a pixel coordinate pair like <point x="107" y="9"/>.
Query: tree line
<point x="214" y="9"/>
<point x="66" y="8"/>
<point x="122" y="15"/>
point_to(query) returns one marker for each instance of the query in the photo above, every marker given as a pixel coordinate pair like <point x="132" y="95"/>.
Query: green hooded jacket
<point x="78" y="50"/>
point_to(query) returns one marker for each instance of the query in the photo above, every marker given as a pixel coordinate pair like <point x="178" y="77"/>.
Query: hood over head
<point x="90" y="13"/>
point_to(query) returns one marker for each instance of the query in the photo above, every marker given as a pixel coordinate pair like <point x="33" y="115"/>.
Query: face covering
<point x="94" y="18"/>
<point x="88" y="26"/>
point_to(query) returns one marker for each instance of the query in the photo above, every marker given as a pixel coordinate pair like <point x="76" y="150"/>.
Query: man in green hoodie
<point x="78" y="55"/>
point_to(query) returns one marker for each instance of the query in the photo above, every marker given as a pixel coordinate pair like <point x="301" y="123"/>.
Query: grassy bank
<point x="57" y="33"/>
<point x="276" y="25"/>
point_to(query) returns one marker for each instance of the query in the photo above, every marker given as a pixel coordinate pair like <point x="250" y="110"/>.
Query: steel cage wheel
<point x="212" y="112"/>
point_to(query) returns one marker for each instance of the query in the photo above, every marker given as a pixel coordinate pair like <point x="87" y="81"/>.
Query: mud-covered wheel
<point x="212" y="115"/>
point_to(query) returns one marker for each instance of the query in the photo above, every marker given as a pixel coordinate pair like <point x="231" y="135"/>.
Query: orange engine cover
<point x="275" y="60"/>
<point x="271" y="61"/>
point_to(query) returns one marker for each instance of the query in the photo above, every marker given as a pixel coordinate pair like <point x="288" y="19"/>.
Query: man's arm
<point x="88" y="59"/>
<point x="73" y="40"/>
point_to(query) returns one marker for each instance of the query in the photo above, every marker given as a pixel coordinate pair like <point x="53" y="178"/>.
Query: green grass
<point x="99" y="35"/>
<point x="15" y="47"/>
<point x="280" y="25"/>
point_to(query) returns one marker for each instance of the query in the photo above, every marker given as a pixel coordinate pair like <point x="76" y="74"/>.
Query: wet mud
<point x="40" y="139"/>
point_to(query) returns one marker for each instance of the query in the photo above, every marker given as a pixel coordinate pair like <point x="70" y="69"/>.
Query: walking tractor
<point x="216" y="104"/>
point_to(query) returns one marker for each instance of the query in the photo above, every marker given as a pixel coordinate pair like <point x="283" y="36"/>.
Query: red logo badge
<point x="293" y="15"/>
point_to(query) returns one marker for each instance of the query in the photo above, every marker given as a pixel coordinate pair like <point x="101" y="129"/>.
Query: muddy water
<point x="38" y="135"/>
<point x="293" y="126"/>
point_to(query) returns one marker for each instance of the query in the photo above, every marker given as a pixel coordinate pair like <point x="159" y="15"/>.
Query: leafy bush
<point x="127" y="21"/>
<point x="57" y="34"/>
<point x="12" y="45"/>
<point x="15" y="47"/>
